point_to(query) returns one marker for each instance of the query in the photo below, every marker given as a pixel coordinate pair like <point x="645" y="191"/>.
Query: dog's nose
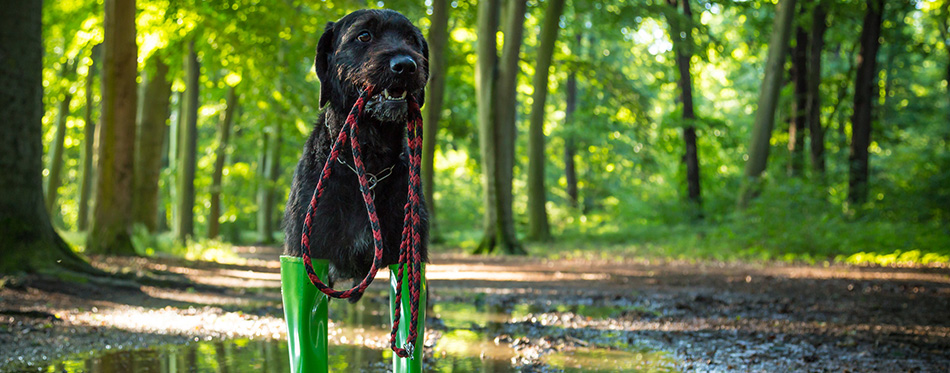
<point x="402" y="64"/>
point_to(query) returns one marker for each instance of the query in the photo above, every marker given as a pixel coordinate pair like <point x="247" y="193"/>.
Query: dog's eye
<point x="365" y="37"/>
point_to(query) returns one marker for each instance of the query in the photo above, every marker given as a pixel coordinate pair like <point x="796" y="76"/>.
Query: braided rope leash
<point x="410" y="244"/>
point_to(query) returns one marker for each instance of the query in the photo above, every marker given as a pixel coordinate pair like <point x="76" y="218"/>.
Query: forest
<point x="756" y="133"/>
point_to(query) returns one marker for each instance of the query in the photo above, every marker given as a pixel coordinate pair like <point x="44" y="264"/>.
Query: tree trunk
<point x="438" y="37"/>
<point x="112" y="216"/>
<point x="865" y="91"/>
<point x="153" y="115"/>
<point x="55" y="161"/>
<point x="797" y="125"/>
<point x="485" y="87"/>
<point x="538" y="228"/>
<point x="813" y="104"/>
<point x="768" y="99"/>
<point x="224" y="134"/>
<point x="187" y="148"/>
<point x="263" y="221"/>
<point x="266" y="195"/>
<point x="506" y="103"/>
<point x="570" y="147"/>
<point x="683" y="46"/>
<point x="89" y="141"/>
<point x="28" y="241"/>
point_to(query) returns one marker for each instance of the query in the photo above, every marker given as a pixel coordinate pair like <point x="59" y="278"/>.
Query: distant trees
<point x="55" y="159"/>
<point x="152" y="118"/>
<point x="768" y="100"/>
<point x="865" y="92"/>
<point x="27" y="239"/>
<point x="816" y="130"/>
<point x="496" y="116"/>
<point x="435" y="91"/>
<point x="112" y="216"/>
<point x="681" y="32"/>
<point x="220" y="153"/>
<point x="88" y="148"/>
<point x="538" y="225"/>
<point x="187" y="147"/>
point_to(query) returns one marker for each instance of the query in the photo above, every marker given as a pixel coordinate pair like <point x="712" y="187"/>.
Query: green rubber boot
<point x="305" y="309"/>
<point x="414" y="364"/>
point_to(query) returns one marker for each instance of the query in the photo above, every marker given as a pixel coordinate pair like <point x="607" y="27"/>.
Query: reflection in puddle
<point x="604" y="360"/>
<point x="466" y="344"/>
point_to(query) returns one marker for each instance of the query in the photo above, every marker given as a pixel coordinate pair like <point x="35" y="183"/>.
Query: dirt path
<point x="705" y="316"/>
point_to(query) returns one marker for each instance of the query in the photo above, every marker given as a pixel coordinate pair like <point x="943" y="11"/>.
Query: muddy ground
<point x="705" y="316"/>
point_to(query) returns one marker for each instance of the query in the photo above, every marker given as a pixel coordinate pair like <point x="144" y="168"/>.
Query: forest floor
<point x="708" y="316"/>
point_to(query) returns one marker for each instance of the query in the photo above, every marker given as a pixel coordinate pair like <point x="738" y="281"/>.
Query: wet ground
<point x="495" y="315"/>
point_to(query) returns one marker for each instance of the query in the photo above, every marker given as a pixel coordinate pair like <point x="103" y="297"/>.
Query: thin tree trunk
<point x="865" y="91"/>
<point x="153" y="115"/>
<point x="273" y="172"/>
<point x="506" y="102"/>
<point x="263" y="220"/>
<point x="112" y="216"/>
<point x="768" y="100"/>
<point x="797" y="125"/>
<point x="55" y="161"/>
<point x="485" y="86"/>
<point x="813" y="104"/>
<point x="89" y="141"/>
<point x="538" y="228"/>
<point x="438" y="37"/>
<point x="224" y="134"/>
<point x="187" y="147"/>
<point x="570" y="147"/>
<point x="683" y="47"/>
<point x="28" y="241"/>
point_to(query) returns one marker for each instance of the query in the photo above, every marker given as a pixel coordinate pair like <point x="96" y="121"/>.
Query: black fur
<point x="345" y="65"/>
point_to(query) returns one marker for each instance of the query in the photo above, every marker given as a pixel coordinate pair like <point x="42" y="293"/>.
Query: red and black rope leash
<point x="410" y="245"/>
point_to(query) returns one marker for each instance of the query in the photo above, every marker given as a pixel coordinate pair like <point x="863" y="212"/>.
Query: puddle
<point x="604" y="360"/>
<point x="466" y="344"/>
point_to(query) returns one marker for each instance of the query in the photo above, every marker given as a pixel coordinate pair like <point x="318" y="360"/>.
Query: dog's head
<point x="378" y="48"/>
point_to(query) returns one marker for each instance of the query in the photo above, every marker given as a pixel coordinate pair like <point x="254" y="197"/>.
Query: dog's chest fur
<point x="341" y="230"/>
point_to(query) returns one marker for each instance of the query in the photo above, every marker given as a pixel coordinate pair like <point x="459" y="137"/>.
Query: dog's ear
<point x="425" y="63"/>
<point x="322" y="62"/>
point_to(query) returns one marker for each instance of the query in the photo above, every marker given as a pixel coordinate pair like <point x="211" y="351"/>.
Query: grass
<point x="166" y="244"/>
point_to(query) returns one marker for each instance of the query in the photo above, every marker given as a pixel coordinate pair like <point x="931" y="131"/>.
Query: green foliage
<point x="626" y="129"/>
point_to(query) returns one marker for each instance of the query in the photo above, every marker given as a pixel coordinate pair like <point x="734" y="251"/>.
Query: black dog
<point x="368" y="47"/>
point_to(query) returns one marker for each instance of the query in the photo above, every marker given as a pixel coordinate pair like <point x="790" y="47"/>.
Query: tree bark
<point x="224" y="134"/>
<point x="55" y="160"/>
<point x="506" y="103"/>
<point x="683" y="48"/>
<point x="187" y="148"/>
<point x="865" y="91"/>
<point x="435" y="91"/>
<point x="797" y="124"/>
<point x="768" y="99"/>
<point x="28" y="241"/>
<point x="538" y="228"/>
<point x="485" y="71"/>
<point x="153" y="115"/>
<point x="89" y="141"/>
<point x="813" y="104"/>
<point x="112" y="216"/>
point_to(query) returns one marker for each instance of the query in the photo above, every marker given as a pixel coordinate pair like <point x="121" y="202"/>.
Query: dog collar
<point x="372" y="178"/>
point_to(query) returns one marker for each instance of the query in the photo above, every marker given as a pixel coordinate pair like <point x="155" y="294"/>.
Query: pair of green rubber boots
<point x="306" y="310"/>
